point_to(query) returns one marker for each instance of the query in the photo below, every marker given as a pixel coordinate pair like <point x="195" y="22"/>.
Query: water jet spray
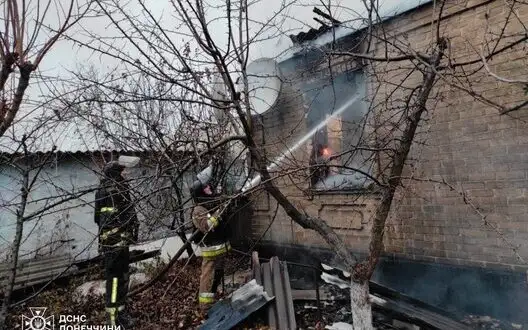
<point x="257" y="179"/>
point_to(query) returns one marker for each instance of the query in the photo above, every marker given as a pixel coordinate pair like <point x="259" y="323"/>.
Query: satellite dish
<point x="264" y="84"/>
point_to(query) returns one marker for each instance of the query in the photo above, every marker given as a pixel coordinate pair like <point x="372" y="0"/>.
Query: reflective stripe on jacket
<point x="108" y="210"/>
<point x="203" y="221"/>
<point x="115" y="237"/>
<point x="215" y="250"/>
<point x="115" y="215"/>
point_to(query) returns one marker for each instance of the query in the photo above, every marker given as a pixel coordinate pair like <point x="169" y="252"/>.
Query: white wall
<point x="72" y="220"/>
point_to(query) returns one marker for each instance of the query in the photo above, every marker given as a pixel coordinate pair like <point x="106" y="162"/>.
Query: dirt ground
<point x="172" y="304"/>
<point x="169" y="304"/>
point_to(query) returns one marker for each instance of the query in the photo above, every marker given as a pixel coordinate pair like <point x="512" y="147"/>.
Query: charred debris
<point x="263" y="295"/>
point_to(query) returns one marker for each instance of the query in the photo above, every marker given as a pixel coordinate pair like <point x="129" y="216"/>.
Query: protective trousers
<point x="211" y="275"/>
<point x="116" y="275"/>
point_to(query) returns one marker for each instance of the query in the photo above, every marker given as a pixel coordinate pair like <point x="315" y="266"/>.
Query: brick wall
<point x="462" y="142"/>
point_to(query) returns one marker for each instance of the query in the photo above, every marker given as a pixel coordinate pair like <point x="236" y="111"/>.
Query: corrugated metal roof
<point x="227" y="313"/>
<point x="79" y="135"/>
<point x="354" y="24"/>
<point x="273" y="275"/>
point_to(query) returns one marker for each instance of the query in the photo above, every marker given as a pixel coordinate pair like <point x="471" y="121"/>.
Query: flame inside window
<point x="326" y="152"/>
<point x="334" y="149"/>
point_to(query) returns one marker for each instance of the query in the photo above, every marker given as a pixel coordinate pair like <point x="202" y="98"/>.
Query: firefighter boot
<point x="121" y="318"/>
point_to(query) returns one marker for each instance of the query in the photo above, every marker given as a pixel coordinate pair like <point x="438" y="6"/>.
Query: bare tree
<point x="30" y="174"/>
<point x="23" y="46"/>
<point x="138" y="114"/>
<point x="27" y="36"/>
<point x="28" y="182"/>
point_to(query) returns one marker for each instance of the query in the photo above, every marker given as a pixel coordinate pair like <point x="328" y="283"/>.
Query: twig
<point x="496" y="76"/>
<point x="467" y="200"/>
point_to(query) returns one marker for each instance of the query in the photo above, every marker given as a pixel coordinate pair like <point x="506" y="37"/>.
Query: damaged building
<point x="438" y="247"/>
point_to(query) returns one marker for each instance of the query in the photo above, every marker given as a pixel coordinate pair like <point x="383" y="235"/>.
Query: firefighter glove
<point x="212" y="222"/>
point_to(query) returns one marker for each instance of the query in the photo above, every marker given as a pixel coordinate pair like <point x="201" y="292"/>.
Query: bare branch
<point x="496" y="76"/>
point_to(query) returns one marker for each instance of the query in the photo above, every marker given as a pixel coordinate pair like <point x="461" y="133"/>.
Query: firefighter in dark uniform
<point x="118" y="228"/>
<point x="209" y="215"/>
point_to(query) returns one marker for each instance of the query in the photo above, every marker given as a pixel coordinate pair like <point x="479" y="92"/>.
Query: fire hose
<point x="249" y="185"/>
<point x="206" y="172"/>
<point x="176" y="256"/>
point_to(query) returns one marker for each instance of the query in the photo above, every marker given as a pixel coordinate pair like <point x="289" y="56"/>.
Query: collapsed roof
<point x="335" y="30"/>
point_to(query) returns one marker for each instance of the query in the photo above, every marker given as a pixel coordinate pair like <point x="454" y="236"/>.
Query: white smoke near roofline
<point x="264" y="69"/>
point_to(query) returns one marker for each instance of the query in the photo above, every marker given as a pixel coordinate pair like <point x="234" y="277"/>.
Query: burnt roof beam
<point x="325" y="15"/>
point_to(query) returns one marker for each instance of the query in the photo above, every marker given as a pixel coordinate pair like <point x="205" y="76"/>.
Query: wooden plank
<point x="43" y="275"/>
<point x="417" y="315"/>
<point x="144" y="256"/>
<point x="41" y="281"/>
<point x="36" y="269"/>
<point x="403" y="309"/>
<point x="135" y="256"/>
<point x="51" y="278"/>
<point x="41" y="272"/>
<point x="411" y="305"/>
<point x="28" y="263"/>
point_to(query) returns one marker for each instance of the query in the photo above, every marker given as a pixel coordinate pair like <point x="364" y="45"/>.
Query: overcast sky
<point x="295" y="18"/>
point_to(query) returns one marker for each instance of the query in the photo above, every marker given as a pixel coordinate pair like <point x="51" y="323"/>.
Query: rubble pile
<point x="171" y="304"/>
<point x="335" y="312"/>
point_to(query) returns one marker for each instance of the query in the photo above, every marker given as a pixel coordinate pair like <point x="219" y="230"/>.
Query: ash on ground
<point x="309" y="316"/>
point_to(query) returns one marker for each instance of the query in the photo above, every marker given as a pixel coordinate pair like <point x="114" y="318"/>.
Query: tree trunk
<point x="360" y="305"/>
<point x="7" y="69"/>
<point x="181" y="221"/>
<point x="359" y="291"/>
<point x="23" y="83"/>
<point x="398" y="163"/>
<point x="15" y="247"/>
